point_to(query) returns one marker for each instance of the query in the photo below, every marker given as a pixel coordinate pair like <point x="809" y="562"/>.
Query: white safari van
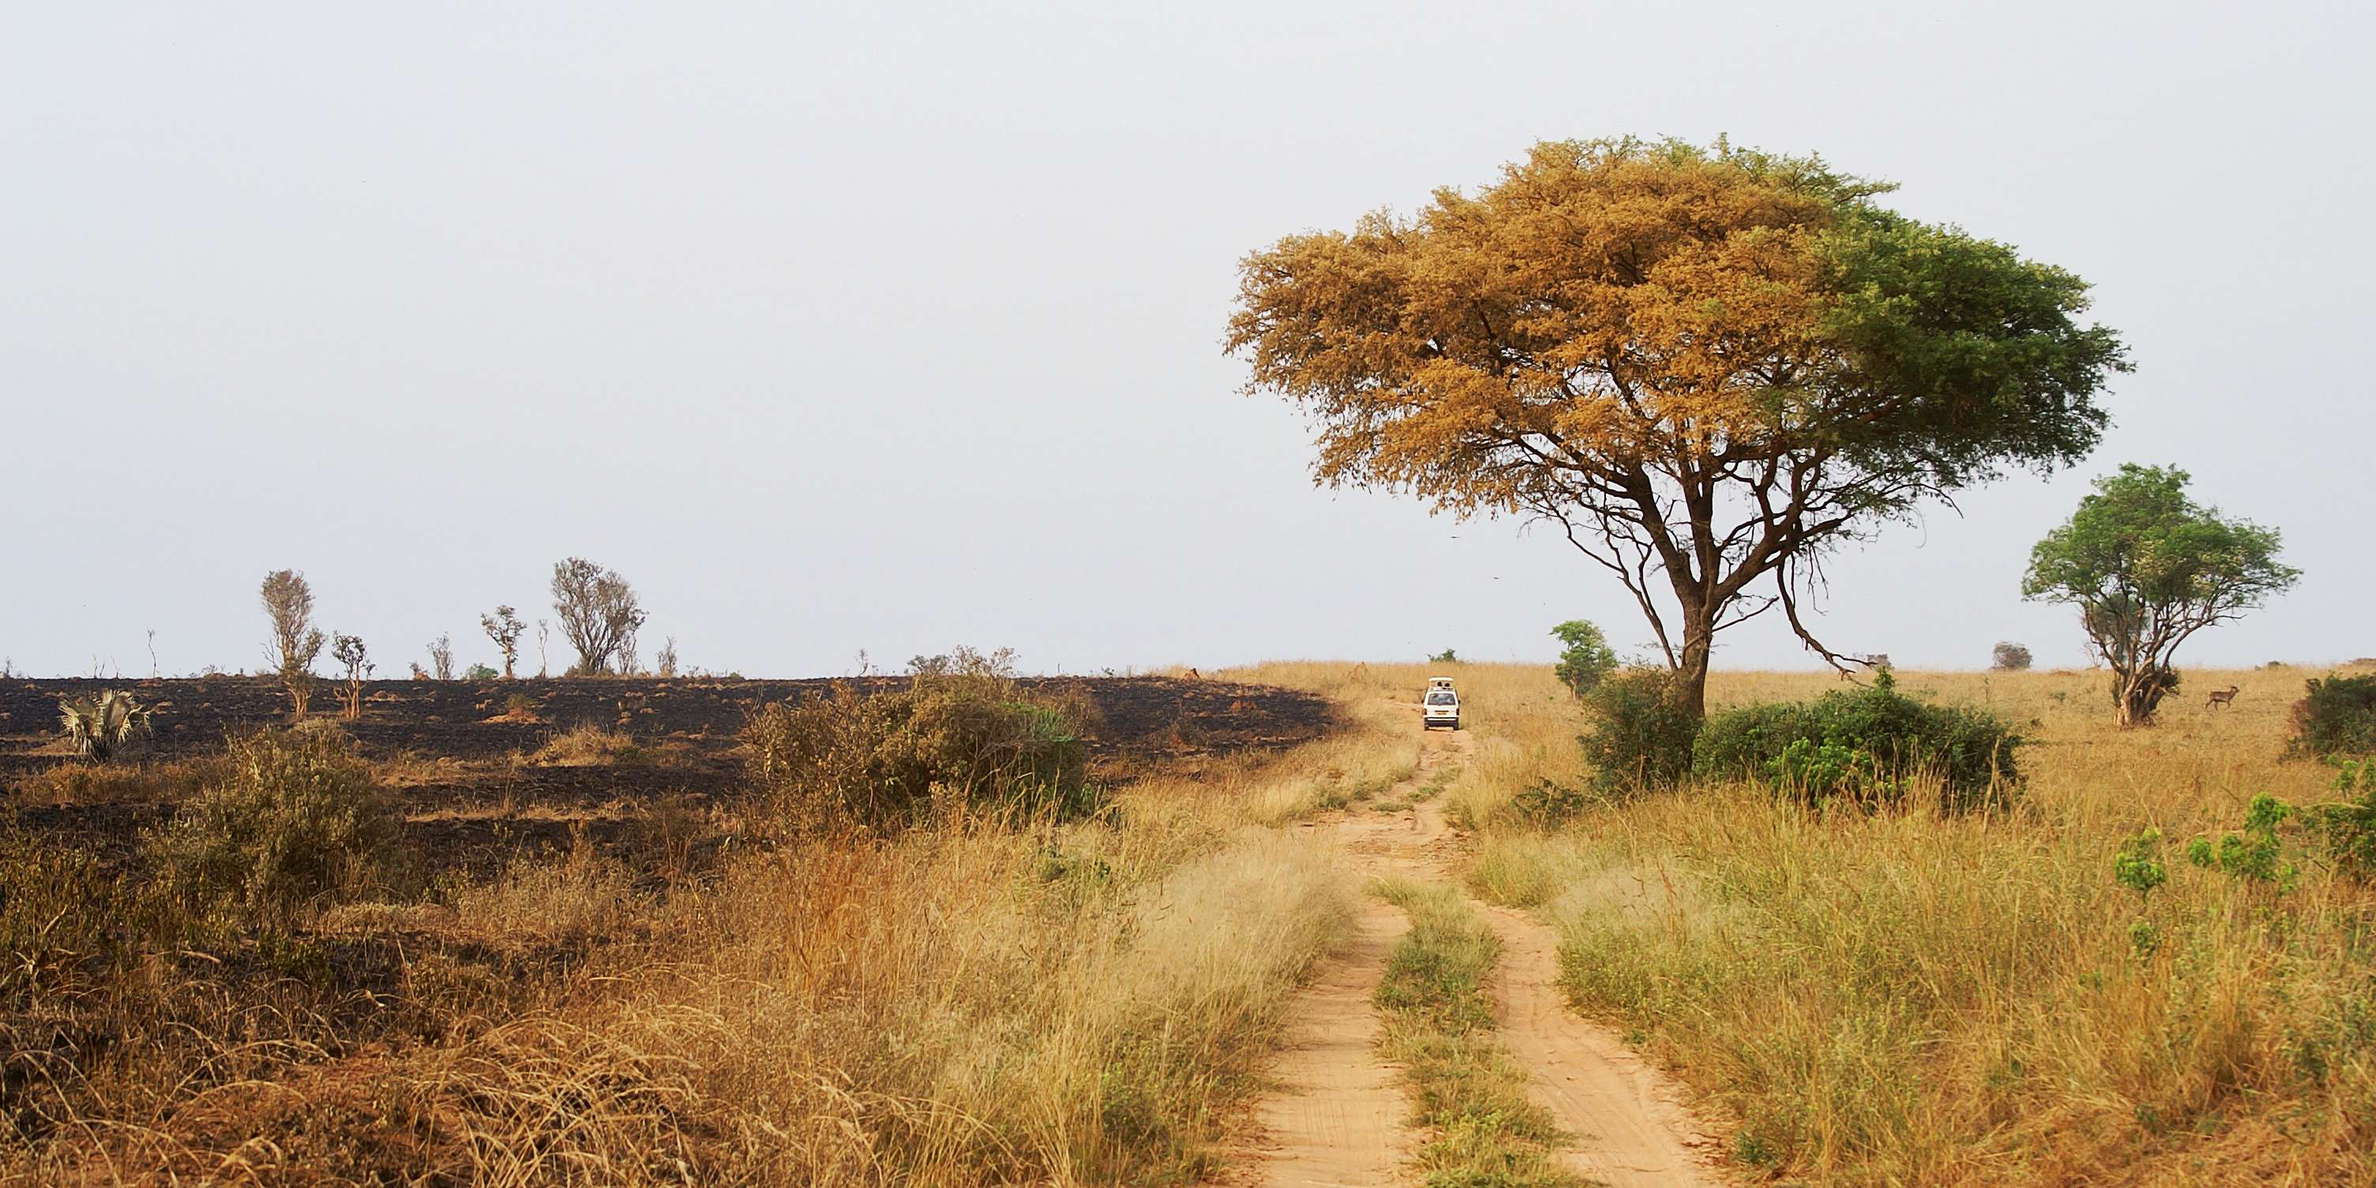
<point x="1440" y="706"/>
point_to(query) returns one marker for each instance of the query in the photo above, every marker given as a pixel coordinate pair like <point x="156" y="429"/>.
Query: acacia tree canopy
<point x="2148" y="567"/>
<point x="1707" y="365"/>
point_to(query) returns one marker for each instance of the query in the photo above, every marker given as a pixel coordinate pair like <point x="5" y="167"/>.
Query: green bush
<point x="1586" y="659"/>
<point x="2336" y="716"/>
<point x="292" y="822"/>
<point x="2350" y="824"/>
<point x="1641" y="732"/>
<point x="1863" y="745"/>
<point x="892" y="759"/>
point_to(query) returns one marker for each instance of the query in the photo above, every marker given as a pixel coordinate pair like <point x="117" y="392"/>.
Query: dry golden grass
<point x="1916" y="999"/>
<point x="1075" y="1004"/>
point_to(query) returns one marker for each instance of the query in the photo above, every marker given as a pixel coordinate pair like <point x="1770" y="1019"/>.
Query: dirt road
<point x="1339" y="1117"/>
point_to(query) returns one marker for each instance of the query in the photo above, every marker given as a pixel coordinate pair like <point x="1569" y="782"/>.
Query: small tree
<point x="2148" y="567"/>
<point x="296" y="644"/>
<point x="2008" y="656"/>
<point x="355" y="661"/>
<point x="504" y="628"/>
<point x="666" y="658"/>
<point x="441" y="656"/>
<point x="598" y="612"/>
<point x="1447" y="656"/>
<point x="1586" y="658"/>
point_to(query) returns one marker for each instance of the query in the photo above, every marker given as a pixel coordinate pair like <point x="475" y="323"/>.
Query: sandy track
<point x="1339" y="1116"/>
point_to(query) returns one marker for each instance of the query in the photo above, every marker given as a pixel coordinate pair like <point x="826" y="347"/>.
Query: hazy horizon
<point x="892" y="330"/>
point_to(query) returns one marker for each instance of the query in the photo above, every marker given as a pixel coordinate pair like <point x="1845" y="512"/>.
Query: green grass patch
<point x="1471" y="1097"/>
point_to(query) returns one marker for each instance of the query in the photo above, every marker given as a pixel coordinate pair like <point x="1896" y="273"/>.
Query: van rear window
<point x="1442" y="698"/>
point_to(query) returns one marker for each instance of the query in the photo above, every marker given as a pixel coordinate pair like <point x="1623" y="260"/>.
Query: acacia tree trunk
<point x="2137" y="694"/>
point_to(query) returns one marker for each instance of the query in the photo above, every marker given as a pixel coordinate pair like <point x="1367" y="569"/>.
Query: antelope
<point x="2220" y="697"/>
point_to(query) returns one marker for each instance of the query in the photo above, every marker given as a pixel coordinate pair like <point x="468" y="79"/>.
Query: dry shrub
<point x="942" y="745"/>
<point x="292" y="821"/>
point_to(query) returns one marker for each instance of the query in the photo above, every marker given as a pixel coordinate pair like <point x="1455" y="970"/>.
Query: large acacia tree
<point x="1707" y="366"/>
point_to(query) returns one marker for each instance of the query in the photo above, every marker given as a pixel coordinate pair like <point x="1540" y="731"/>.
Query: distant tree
<point x="1447" y="656"/>
<point x="2148" y="567"/>
<point x="1585" y="659"/>
<point x="504" y="628"/>
<point x="348" y="650"/>
<point x="480" y="672"/>
<point x="441" y="656"/>
<point x="1708" y="366"/>
<point x="544" y="631"/>
<point x="666" y="658"/>
<point x="2008" y="656"/>
<point x="296" y="644"/>
<point x="598" y="612"/>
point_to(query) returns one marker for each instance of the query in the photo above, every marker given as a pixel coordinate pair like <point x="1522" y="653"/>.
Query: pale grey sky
<point x="895" y="326"/>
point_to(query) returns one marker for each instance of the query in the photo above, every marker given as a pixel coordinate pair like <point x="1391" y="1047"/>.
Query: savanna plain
<point x="961" y="928"/>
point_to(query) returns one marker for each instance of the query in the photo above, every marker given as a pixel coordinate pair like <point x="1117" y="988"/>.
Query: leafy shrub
<point x="894" y="758"/>
<point x="1863" y="745"/>
<point x="2336" y="716"/>
<point x="2350" y="825"/>
<point x="1447" y="656"/>
<point x="480" y="672"/>
<point x="1642" y="729"/>
<point x="2008" y="656"/>
<point x="291" y="822"/>
<point x="1587" y="658"/>
<point x="2256" y="854"/>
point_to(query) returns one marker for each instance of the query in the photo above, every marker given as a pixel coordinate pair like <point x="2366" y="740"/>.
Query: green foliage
<point x="2138" y="866"/>
<point x="1585" y="657"/>
<point x="2336" y="716"/>
<point x="480" y="672"/>
<point x="293" y="821"/>
<point x="1642" y="727"/>
<point x="1864" y="746"/>
<point x="2148" y="567"/>
<point x="100" y="725"/>
<point x="942" y="744"/>
<point x="2350" y="826"/>
<point x="1444" y="657"/>
<point x="2255" y="853"/>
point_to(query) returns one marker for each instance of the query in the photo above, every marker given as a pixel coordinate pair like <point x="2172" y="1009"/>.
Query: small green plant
<point x="1444" y="657"/>
<point x="2255" y="854"/>
<point x="1585" y="659"/>
<point x="2138" y="866"/>
<point x="1546" y="803"/>
<point x="98" y="726"/>
<point x="480" y="672"/>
